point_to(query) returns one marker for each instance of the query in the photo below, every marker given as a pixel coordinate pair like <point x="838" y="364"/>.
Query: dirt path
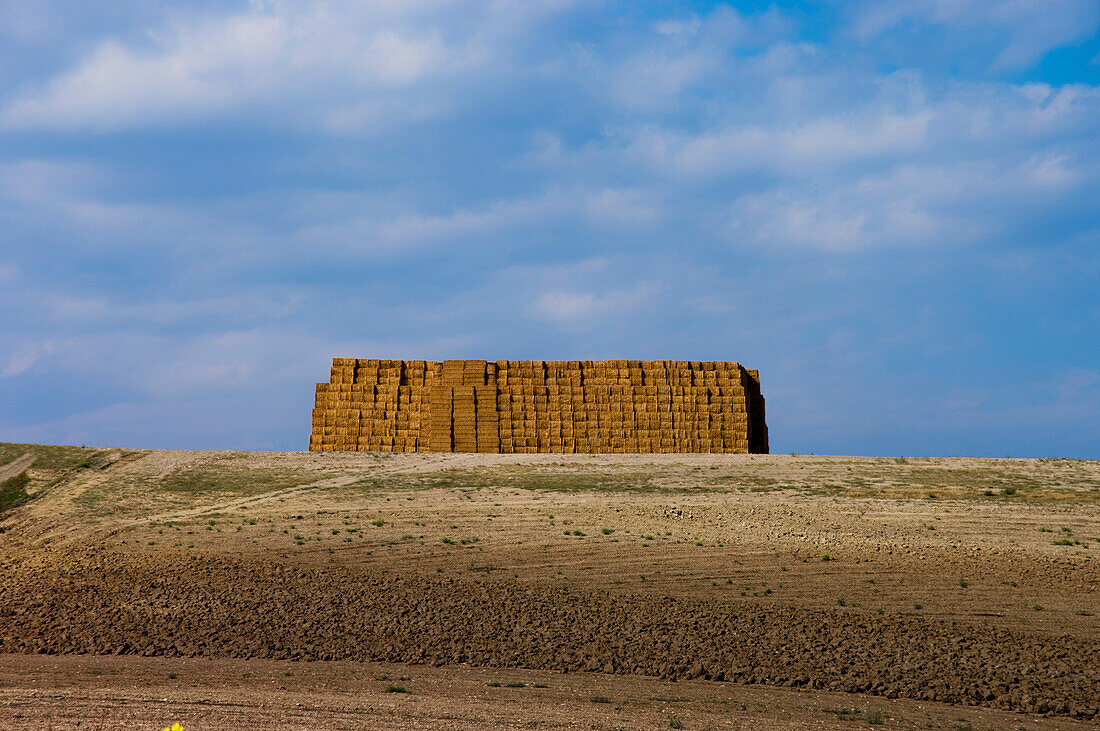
<point x="16" y="468"/>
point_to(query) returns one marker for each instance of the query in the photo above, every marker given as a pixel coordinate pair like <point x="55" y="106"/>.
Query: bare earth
<point x="234" y="590"/>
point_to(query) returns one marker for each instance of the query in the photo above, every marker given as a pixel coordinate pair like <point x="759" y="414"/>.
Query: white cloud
<point x="42" y="182"/>
<point x="786" y="220"/>
<point x="1052" y="171"/>
<point x="360" y="227"/>
<point x="282" y="226"/>
<point x="653" y="80"/>
<point x="195" y="71"/>
<point x="585" y="310"/>
<point x="893" y="126"/>
<point x="1025" y="29"/>
<point x="1065" y="109"/>
<point x="686" y="27"/>
<point x="28" y="355"/>
<point x="19" y="363"/>
<point x="821" y="143"/>
<point x="78" y="205"/>
<point x="678" y="56"/>
<point x="943" y="204"/>
<point x="565" y="306"/>
<point x="338" y="62"/>
<point x="103" y="311"/>
<point x="630" y="207"/>
<point x="464" y="222"/>
<point x="579" y="295"/>
<point x="1037" y="26"/>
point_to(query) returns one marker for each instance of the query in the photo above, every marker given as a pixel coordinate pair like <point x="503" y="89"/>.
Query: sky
<point x="889" y="208"/>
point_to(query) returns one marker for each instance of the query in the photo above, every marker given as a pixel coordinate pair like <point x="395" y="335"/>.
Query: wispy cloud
<point x="341" y="64"/>
<point x="586" y="310"/>
<point x="1025" y="29"/>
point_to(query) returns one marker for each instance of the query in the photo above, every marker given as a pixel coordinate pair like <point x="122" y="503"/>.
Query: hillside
<point x="769" y="588"/>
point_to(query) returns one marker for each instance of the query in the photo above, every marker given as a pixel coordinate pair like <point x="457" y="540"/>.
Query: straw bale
<point x="522" y="406"/>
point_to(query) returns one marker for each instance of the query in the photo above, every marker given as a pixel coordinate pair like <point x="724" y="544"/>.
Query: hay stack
<point x="615" y="406"/>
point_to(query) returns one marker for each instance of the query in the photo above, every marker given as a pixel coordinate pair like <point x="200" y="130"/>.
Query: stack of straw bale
<point x="616" y="406"/>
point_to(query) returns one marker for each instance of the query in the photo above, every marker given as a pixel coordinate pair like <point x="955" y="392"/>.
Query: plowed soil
<point x="910" y="584"/>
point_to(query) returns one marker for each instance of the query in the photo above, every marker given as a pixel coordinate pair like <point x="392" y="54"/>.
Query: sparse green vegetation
<point x="14" y="492"/>
<point x="230" y="479"/>
<point x="51" y="458"/>
<point x="227" y="476"/>
<point x="526" y="477"/>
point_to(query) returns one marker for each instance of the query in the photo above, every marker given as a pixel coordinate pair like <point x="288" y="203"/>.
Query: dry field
<point x="237" y="590"/>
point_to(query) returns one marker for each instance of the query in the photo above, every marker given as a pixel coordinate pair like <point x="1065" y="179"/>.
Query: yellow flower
<point x="174" y="727"/>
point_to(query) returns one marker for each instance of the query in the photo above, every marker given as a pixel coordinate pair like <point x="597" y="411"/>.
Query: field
<point x="336" y="590"/>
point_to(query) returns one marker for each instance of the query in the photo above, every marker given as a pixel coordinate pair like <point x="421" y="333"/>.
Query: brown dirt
<point x="969" y="582"/>
<point x="107" y="692"/>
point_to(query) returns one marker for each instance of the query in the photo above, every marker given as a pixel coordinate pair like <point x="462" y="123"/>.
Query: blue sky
<point x="889" y="208"/>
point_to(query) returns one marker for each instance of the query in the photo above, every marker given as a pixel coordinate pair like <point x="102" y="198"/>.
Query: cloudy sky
<point x="889" y="208"/>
